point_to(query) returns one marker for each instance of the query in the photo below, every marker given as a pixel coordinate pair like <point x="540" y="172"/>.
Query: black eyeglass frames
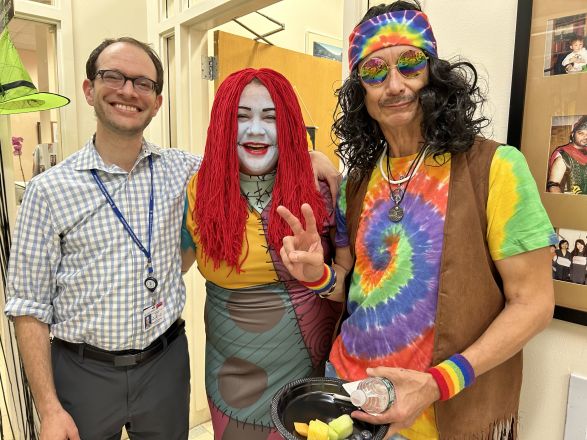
<point x="117" y="80"/>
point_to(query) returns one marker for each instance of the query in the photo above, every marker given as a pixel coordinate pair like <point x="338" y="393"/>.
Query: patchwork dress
<point x="263" y="328"/>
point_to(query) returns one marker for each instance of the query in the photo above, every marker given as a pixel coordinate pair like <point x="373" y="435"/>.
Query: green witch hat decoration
<point x="17" y="92"/>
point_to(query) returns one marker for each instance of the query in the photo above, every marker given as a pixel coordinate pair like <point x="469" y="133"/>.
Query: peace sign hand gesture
<point x="302" y="253"/>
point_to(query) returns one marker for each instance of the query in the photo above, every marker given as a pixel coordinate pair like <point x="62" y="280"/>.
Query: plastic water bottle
<point x="374" y="395"/>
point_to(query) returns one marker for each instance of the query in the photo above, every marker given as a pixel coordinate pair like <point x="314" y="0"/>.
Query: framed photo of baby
<point x="567" y="163"/>
<point x="565" y="45"/>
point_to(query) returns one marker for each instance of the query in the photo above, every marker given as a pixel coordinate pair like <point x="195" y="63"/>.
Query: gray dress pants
<point x="151" y="399"/>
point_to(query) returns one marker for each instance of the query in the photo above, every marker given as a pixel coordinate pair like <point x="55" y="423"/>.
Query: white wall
<point x="94" y="21"/>
<point x="548" y="361"/>
<point x="483" y="33"/>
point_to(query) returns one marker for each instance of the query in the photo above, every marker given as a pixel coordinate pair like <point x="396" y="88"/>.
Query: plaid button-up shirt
<point x="74" y="266"/>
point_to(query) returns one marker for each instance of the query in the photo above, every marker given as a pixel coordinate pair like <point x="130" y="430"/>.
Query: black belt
<point x="127" y="358"/>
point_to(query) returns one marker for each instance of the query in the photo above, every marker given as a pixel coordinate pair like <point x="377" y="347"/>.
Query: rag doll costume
<point x="263" y="328"/>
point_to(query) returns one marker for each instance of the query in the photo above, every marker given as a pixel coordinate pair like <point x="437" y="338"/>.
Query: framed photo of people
<point x="548" y="120"/>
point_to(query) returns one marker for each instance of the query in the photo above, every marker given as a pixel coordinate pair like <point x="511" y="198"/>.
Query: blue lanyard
<point x="127" y="227"/>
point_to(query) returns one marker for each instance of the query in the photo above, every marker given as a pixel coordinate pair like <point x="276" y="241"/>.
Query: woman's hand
<point x="302" y="253"/>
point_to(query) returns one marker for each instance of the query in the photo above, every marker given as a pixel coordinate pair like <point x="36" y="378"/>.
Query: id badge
<point x="153" y="315"/>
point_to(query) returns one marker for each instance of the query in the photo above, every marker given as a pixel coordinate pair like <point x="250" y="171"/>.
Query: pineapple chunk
<point x="317" y="430"/>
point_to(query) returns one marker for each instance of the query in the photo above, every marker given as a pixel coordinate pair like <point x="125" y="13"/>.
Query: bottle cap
<point x="358" y="398"/>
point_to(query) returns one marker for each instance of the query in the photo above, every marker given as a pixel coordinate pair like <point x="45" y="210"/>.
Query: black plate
<point x="308" y="399"/>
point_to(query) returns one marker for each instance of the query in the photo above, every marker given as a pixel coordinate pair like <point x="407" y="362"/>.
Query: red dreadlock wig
<point x="221" y="211"/>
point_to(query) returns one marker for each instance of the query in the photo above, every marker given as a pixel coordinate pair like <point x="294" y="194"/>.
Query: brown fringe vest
<point x="469" y="299"/>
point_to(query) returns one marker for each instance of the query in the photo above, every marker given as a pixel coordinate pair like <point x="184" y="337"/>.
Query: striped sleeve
<point x="188" y="225"/>
<point x="34" y="258"/>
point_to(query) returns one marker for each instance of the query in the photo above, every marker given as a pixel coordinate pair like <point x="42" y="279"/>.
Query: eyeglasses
<point x="117" y="80"/>
<point x="410" y="64"/>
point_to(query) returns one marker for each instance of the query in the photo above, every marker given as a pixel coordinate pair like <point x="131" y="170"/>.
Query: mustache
<point x="395" y="100"/>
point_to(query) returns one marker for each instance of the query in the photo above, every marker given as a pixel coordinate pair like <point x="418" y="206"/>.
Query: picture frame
<point x="323" y="46"/>
<point x="537" y="99"/>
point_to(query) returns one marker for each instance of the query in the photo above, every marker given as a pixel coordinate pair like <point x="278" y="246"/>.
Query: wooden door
<point x="314" y="79"/>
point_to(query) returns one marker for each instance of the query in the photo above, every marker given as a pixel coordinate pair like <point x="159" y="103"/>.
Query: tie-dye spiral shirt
<point x="393" y="292"/>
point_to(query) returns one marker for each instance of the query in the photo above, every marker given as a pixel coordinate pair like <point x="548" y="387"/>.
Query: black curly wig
<point x="449" y="102"/>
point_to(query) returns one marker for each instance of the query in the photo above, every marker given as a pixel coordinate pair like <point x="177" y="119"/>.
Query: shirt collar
<point x="89" y="159"/>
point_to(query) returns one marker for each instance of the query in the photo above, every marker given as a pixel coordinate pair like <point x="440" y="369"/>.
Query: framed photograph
<point x="567" y="162"/>
<point x="569" y="270"/>
<point x="569" y="261"/>
<point x="565" y="51"/>
<point x="548" y="106"/>
<point x="323" y="46"/>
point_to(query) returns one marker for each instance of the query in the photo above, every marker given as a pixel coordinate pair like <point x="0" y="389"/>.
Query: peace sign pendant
<point x="396" y="213"/>
<point x="397" y="195"/>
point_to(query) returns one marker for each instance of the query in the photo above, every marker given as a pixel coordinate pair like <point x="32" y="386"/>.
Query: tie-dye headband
<point x="391" y="29"/>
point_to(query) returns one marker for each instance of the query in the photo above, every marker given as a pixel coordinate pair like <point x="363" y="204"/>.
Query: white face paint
<point x="257" y="131"/>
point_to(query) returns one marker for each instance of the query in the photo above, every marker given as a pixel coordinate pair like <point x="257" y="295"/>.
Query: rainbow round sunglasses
<point x="410" y="64"/>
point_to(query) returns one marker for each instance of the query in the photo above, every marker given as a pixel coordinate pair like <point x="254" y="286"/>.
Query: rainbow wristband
<point x="453" y="376"/>
<point x="324" y="283"/>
